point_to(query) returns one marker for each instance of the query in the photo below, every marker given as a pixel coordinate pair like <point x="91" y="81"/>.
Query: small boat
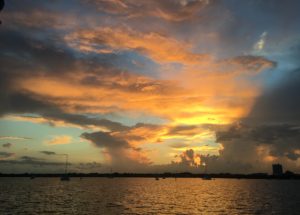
<point x="206" y="177"/>
<point x="32" y="177"/>
<point x="111" y="175"/>
<point x="65" y="177"/>
<point x="156" y="178"/>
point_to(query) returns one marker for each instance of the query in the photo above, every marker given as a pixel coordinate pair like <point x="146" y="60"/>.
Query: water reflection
<point x="148" y="196"/>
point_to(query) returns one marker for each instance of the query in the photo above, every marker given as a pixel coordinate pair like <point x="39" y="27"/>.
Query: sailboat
<point x="205" y="176"/>
<point x="65" y="177"/>
<point x="111" y="174"/>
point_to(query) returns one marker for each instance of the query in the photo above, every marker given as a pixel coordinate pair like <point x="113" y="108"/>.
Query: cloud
<point x="48" y="152"/>
<point x="5" y="155"/>
<point x="58" y="140"/>
<point x="187" y="99"/>
<point x="260" y="44"/>
<point x="252" y="63"/>
<point x="32" y="161"/>
<point x="179" y="145"/>
<point x="189" y="158"/>
<point x="168" y="10"/>
<point x="158" y="47"/>
<point x="268" y="134"/>
<point x="105" y="139"/>
<point x="184" y="130"/>
<point x="68" y="70"/>
<point x="14" y="138"/>
<point x="6" y="145"/>
<point x="260" y="144"/>
<point x="279" y="104"/>
<point x="88" y="167"/>
<point x="119" y="153"/>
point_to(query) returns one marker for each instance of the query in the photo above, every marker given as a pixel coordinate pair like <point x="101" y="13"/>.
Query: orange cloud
<point x="59" y="140"/>
<point x="160" y="48"/>
<point x="174" y="10"/>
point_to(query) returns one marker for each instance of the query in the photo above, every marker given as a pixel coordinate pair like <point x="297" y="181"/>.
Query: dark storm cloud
<point x="281" y="104"/>
<point x="25" y="54"/>
<point x="23" y="57"/>
<point x="105" y="139"/>
<point x="273" y="125"/>
<point x="283" y="139"/>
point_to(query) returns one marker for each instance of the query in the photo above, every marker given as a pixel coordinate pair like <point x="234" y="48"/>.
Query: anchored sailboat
<point x="111" y="174"/>
<point x="65" y="177"/>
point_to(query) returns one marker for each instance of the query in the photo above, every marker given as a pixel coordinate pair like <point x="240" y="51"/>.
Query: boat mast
<point x="66" y="168"/>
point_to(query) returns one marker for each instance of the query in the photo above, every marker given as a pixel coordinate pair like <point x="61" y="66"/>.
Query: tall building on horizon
<point x="277" y="169"/>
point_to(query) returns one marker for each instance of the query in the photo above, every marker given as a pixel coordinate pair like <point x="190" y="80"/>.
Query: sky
<point x="149" y="85"/>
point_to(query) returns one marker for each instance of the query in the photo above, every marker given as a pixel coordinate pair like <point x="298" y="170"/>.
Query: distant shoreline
<point x="163" y="175"/>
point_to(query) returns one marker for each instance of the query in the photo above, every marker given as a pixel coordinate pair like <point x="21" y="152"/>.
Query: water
<point x="148" y="196"/>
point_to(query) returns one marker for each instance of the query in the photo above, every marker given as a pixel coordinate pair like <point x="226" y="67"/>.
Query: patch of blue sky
<point x="35" y="131"/>
<point x="121" y="59"/>
<point x="131" y="118"/>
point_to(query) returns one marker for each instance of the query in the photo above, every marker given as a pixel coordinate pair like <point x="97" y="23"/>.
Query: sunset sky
<point x="150" y="85"/>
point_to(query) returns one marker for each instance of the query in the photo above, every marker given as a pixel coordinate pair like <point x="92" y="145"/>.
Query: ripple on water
<point x="148" y="196"/>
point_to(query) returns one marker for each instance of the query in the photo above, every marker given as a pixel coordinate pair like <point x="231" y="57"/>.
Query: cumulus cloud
<point x="259" y="145"/>
<point x="58" y="140"/>
<point x="120" y="154"/>
<point x="189" y="158"/>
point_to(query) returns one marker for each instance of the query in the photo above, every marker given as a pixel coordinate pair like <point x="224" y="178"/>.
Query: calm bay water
<point x="148" y="196"/>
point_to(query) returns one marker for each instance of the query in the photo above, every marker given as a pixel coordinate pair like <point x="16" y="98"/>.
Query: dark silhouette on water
<point x="65" y="177"/>
<point x="2" y="4"/>
<point x="111" y="174"/>
<point x="277" y="169"/>
<point x="286" y="175"/>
